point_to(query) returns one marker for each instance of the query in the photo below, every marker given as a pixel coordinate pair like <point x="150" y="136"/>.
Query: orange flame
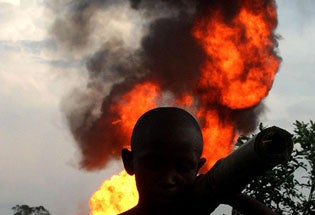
<point x="115" y="195"/>
<point x="238" y="73"/>
<point x="241" y="64"/>
<point x="132" y="105"/>
<point x="218" y="136"/>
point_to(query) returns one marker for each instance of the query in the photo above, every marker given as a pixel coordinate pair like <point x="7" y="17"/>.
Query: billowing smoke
<point x="125" y="43"/>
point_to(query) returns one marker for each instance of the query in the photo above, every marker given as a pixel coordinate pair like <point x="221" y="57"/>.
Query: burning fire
<point x="240" y="67"/>
<point x="132" y="105"/>
<point x="115" y="195"/>
<point x="237" y="73"/>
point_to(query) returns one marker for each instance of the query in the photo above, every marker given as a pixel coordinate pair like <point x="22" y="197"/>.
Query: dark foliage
<point x="27" y="210"/>
<point x="289" y="188"/>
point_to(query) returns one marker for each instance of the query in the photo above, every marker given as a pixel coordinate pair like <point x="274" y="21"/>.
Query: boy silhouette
<point x="165" y="156"/>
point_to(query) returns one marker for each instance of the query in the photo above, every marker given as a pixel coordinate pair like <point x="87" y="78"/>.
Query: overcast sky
<point x="38" y="157"/>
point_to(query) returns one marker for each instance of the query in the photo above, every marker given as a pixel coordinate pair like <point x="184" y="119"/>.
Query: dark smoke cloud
<point x="167" y="54"/>
<point x="170" y="52"/>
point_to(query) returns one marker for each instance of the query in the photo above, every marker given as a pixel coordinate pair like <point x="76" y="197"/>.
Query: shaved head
<point x="165" y="125"/>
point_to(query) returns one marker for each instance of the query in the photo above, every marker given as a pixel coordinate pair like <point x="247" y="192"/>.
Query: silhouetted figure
<point x="165" y="156"/>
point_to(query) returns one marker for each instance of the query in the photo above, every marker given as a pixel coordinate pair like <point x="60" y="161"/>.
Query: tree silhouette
<point x="27" y="210"/>
<point x="289" y="188"/>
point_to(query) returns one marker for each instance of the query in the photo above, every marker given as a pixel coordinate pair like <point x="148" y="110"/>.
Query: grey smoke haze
<point x="161" y="50"/>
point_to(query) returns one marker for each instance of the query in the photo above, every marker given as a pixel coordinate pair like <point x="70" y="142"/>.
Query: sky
<point x="38" y="156"/>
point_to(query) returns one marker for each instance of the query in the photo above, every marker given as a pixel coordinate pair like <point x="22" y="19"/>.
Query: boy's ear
<point x="127" y="158"/>
<point x="202" y="161"/>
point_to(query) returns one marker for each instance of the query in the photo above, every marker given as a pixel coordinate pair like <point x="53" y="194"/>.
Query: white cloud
<point x="24" y="79"/>
<point x="13" y="2"/>
<point x="23" y="22"/>
<point x="36" y="147"/>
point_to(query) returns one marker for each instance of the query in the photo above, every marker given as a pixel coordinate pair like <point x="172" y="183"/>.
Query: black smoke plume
<point x="165" y="53"/>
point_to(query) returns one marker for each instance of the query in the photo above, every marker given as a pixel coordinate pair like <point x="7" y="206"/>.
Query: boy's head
<point x="166" y="147"/>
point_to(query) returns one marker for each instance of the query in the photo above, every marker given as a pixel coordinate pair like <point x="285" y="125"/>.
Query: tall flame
<point x="237" y="73"/>
<point x="240" y="65"/>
